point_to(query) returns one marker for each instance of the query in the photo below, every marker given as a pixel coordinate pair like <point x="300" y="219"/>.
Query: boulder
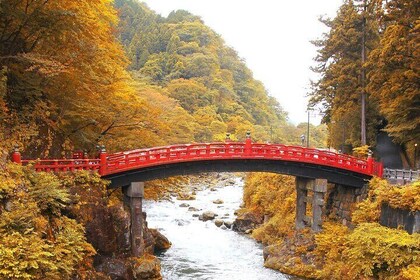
<point x="161" y="242"/>
<point x="184" y="205"/>
<point x="146" y="267"/>
<point x="185" y="196"/>
<point x="246" y="221"/>
<point x="228" y="224"/>
<point x="193" y="209"/>
<point x="218" y="201"/>
<point x="218" y="222"/>
<point x="207" y="215"/>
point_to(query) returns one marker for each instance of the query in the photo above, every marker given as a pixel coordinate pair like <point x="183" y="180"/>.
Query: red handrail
<point x="141" y="158"/>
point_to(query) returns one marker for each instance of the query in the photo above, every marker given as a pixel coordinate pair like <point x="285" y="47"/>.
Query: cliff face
<point x="109" y="233"/>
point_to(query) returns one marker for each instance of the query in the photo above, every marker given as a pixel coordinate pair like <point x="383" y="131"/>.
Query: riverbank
<point x="365" y="250"/>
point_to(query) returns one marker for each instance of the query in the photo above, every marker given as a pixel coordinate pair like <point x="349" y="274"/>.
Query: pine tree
<point x="339" y="64"/>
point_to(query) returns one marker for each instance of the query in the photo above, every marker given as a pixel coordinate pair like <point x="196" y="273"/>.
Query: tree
<point x="339" y="64"/>
<point x="65" y="71"/>
<point x="395" y="70"/>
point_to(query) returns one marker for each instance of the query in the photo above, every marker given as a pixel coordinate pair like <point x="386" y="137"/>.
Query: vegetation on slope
<point x="369" y="251"/>
<point x="37" y="239"/>
<point x="390" y="30"/>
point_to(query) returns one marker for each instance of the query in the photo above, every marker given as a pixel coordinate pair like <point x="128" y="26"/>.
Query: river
<point x="200" y="250"/>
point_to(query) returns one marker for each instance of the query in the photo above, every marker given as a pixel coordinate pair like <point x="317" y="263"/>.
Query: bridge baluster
<point x="56" y="169"/>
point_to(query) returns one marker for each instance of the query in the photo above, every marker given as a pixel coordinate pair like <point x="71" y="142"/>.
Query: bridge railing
<point x="402" y="174"/>
<point x="233" y="150"/>
<point x="62" y="165"/>
<point x="123" y="161"/>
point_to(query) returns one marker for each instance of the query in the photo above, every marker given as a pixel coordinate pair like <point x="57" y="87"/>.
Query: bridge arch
<point x="293" y="168"/>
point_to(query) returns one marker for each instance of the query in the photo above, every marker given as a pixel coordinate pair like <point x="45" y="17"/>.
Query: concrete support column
<point x="302" y="192"/>
<point x="134" y="194"/>
<point x="319" y="190"/>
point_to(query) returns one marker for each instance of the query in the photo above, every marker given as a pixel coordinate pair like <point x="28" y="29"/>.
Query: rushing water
<point x="200" y="250"/>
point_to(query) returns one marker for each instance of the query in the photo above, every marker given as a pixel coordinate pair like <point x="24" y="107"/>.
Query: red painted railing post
<point x="248" y="143"/>
<point x="370" y="163"/>
<point x="380" y="169"/>
<point x="103" y="161"/>
<point x="16" y="157"/>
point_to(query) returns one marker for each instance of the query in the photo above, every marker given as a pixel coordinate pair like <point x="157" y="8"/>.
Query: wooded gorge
<point x="78" y="75"/>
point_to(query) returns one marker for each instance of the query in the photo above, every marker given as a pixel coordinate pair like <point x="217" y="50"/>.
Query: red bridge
<point x="147" y="164"/>
<point x="313" y="169"/>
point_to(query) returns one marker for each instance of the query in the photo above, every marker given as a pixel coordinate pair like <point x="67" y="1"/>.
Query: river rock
<point x="207" y="215"/>
<point x="246" y="221"/>
<point x="213" y="189"/>
<point x="146" y="267"/>
<point x="195" y="215"/>
<point x="184" y="205"/>
<point x="160" y="241"/>
<point x="192" y="209"/>
<point x="228" y="224"/>
<point x="218" y="222"/>
<point x="185" y="196"/>
<point x="218" y="201"/>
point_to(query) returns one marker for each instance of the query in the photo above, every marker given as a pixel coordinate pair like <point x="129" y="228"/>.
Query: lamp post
<point x="307" y="132"/>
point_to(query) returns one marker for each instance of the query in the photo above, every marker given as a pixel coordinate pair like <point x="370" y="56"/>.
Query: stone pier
<point x="318" y="187"/>
<point x="133" y="196"/>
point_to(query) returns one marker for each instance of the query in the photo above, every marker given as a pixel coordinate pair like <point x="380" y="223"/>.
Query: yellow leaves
<point x="36" y="240"/>
<point x="361" y="152"/>
<point x="411" y="272"/>
<point x="24" y="257"/>
<point x="380" y="191"/>
<point x="273" y="195"/>
<point x="373" y="250"/>
<point x="406" y="197"/>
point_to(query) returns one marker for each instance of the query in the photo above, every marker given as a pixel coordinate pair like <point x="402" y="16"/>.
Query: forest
<point x="76" y="75"/>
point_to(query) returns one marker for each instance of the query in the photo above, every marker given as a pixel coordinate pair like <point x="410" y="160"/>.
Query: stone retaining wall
<point x="395" y="218"/>
<point x="341" y="201"/>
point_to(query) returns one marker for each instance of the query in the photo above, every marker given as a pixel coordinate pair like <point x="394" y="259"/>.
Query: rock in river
<point x="161" y="242"/>
<point x="218" y="222"/>
<point x="218" y="201"/>
<point x="207" y="215"/>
